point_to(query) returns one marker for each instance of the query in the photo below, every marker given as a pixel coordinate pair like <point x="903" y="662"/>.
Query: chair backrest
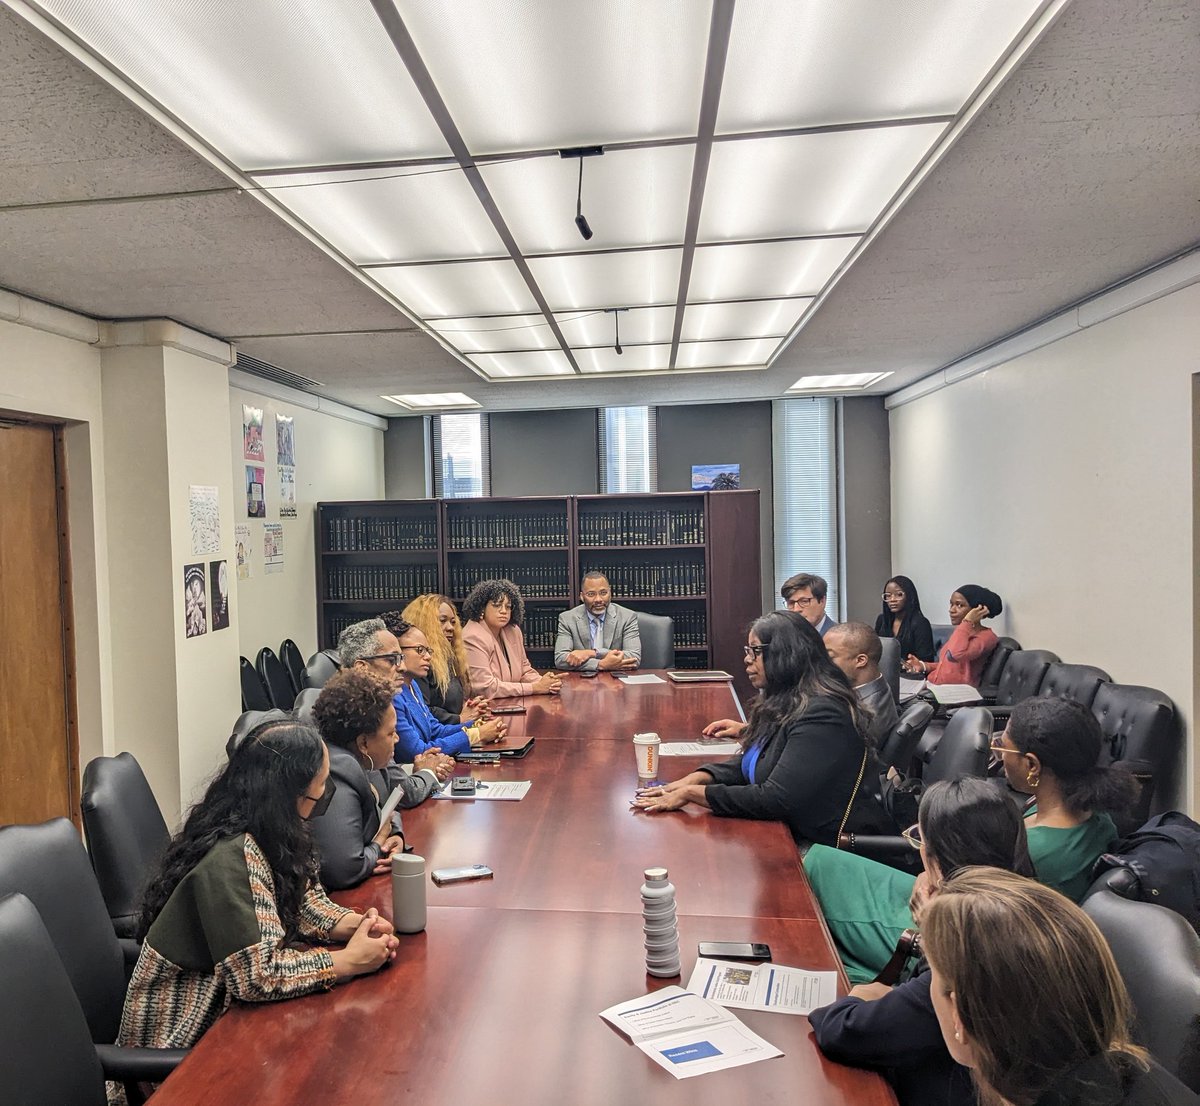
<point x="1073" y="681"/>
<point x="989" y="680"/>
<point x="247" y="721"/>
<point x="658" y="641"/>
<point x="254" y="691"/>
<point x="1141" y="728"/>
<point x="897" y="751"/>
<point x="293" y="661"/>
<point x="125" y="834"/>
<point x="1158" y="955"/>
<point x="48" y="864"/>
<point x="275" y="678"/>
<point x="889" y="665"/>
<point x="941" y="635"/>
<point x="46" y="1051"/>
<point x="1022" y="675"/>
<point x="320" y="667"/>
<point x="964" y="747"/>
<point x="303" y="706"/>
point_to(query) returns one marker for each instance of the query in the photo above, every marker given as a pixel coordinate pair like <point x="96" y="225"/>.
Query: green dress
<point x="865" y="903"/>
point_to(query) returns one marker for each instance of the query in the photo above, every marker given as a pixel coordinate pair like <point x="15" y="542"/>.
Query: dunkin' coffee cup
<point x="645" y="745"/>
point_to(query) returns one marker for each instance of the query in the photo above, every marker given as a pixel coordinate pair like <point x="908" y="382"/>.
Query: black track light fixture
<point x="581" y="152"/>
<point x="615" y="312"/>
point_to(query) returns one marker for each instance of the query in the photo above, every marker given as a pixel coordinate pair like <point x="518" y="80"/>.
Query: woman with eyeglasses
<point x="235" y="912"/>
<point x="1029" y="998"/>
<point x="805" y="752"/>
<point x="444" y="689"/>
<point x="355" y="715"/>
<point x="966" y="652"/>
<point x="902" y="619"/>
<point x="894" y="1029"/>
<point x="417" y="731"/>
<point x="499" y="666"/>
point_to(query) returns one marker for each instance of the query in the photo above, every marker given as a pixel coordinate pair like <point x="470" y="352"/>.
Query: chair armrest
<point x="893" y="851"/>
<point x="138" y="1065"/>
<point x="131" y="950"/>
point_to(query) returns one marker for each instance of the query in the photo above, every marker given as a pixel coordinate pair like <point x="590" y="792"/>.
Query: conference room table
<point x="498" y="1000"/>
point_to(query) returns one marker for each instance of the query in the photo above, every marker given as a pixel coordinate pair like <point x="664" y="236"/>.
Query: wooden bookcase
<point x="691" y="555"/>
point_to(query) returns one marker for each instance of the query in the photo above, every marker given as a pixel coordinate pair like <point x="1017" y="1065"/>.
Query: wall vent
<point x="255" y="367"/>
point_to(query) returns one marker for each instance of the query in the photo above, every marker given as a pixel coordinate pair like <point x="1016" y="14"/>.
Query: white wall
<point x="335" y="459"/>
<point x="1062" y="479"/>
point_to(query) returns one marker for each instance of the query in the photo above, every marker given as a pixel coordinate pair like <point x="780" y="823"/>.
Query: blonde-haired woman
<point x="445" y="688"/>
<point x="1029" y="997"/>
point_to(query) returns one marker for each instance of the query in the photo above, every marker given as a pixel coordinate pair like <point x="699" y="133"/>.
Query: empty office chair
<point x="889" y="665"/>
<point x="1073" y="681"/>
<point x="1158" y="955"/>
<point x="247" y="721"/>
<point x="303" y="706"/>
<point x="125" y="834"/>
<point x="989" y="681"/>
<point x="1141" y="730"/>
<point x="320" y="667"/>
<point x="293" y="661"/>
<point x="964" y="747"/>
<point x="897" y="750"/>
<point x="275" y="679"/>
<point x="254" y="691"/>
<point x="48" y="864"/>
<point x="658" y="642"/>
<point x="1021" y="679"/>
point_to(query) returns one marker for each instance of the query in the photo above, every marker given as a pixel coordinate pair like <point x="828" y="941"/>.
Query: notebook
<point x="508" y="748"/>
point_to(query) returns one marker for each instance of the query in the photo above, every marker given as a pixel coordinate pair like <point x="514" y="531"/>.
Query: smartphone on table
<point x="734" y="950"/>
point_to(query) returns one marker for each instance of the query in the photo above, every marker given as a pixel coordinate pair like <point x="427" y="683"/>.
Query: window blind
<point x="804" y="449"/>
<point x="628" y="449"/>
<point x="462" y="456"/>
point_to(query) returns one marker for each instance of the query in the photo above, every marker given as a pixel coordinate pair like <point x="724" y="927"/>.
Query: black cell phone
<point x="590" y="673"/>
<point x="507" y="710"/>
<point x="734" y="950"/>
<point x="462" y="785"/>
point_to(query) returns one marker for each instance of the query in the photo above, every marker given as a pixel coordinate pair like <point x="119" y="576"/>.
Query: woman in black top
<point x="902" y="619"/>
<point x="806" y="758"/>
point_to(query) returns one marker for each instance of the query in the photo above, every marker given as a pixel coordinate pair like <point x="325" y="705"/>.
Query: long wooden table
<point x="498" y="1000"/>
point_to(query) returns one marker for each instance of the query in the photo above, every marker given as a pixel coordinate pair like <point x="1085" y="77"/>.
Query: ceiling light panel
<point x="267" y="83"/>
<point x="608" y="279"/>
<point x="498" y="334"/>
<point x="375" y="216"/>
<point x="634" y="359"/>
<point x="814" y="62"/>
<point x="762" y="318"/>
<point x="808" y="184"/>
<point x="840" y="381"/>
<point x="550" y="363"/>
<point x="521" y="76"/>
<point x="596" y="328"/>
<point x="630" y="198"/>
<point x="766" y="269"/>
<point x="459" y="288"/>
<point x="725" y="355"/>
<point x="429" y="400"/>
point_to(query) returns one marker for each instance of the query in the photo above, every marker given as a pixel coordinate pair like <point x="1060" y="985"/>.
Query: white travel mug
<point x="408" y="892"/>
<point x="645" y="745"/>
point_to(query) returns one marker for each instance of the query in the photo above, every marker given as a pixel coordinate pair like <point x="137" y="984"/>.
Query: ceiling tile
<point x="608" y="280"/>
<point x="634" y="359"/>
<point x="458" y="288"/>
<point x="497" y="334"/>
<point x="766" y="268"/>
<point x="721" y="355"/>
<point x="638" y="324"/>
<point x="548" y="363"/>
<point x="761" y="318"/>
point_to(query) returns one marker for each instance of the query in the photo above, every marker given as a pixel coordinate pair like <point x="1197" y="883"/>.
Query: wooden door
<point x="39" y="756"/>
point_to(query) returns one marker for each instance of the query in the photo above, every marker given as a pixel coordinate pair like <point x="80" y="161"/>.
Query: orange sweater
<point x="964" y="657"/>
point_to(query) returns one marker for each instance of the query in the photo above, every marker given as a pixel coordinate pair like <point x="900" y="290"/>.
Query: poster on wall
<point x="256" y="504"/>
<point x="287" y="491"/>
<point x="241" y="538"/>
<point x="204" y="513"/>
<point x="218" y="578"/>
<point x="273" y="546"/>
<point x="252" y="433"/>
<point x="716" y="478"/>
<point x="285" y="439"/>
<point x="195" y="606"/>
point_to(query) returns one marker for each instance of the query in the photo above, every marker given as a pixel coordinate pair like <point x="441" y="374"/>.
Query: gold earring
<point x="1031" y="779"/>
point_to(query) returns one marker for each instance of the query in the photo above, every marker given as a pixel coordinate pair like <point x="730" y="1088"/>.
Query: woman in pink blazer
<point x="499" y="666"/>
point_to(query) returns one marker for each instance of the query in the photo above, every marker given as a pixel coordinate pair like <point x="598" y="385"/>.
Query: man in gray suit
<point x="597" y="635"/>
<point x="855" y="648"/>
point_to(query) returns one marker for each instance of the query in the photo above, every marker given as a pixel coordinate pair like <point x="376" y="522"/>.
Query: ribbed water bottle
<point x="658" y="920"/>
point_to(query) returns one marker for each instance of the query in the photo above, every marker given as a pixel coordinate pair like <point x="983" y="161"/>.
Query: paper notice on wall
<point x="273" y="547"/>
<point x="287" y="491"/>
<point x="204" y="513"/>
<point x="256" y="502"/>
<point x="195" y="602"/>
<point x="241" y="537"/>
<point x="252" y="433"/>
<point x="285" y="440"/>
<point x="218" y="579"/>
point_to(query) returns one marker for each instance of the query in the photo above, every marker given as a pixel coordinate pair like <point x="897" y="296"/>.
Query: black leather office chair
<point x="1142" y="731"/>
<point x="941" y="635"/>
<point x="303" y="706"/>
<point x="1158" y="955"/>
<point x="658" y="641"/>
<point x="897" y="750"/>
<point x="125" y="834"/>
<point x="320" y="667"/>
<point x="293" y="661"/>
<point x="254" y="691"/>
<point x="989" y="681"/>
<point x="964" y="747"/>
<point x="1021" y="679"/>
<point x="889" y="665"/>
<point x="275" y="679"/>
<point x="1073" y="681"/>
<point x="48" y="864"/>
<point x="248" y="720"/>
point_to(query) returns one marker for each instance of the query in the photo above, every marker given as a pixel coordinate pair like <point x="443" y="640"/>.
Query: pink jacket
<point x="964" y="657"/>
<point x="493" y="674"/>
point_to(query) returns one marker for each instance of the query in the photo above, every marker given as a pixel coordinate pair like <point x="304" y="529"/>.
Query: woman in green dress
<point x="1048" y="751"/>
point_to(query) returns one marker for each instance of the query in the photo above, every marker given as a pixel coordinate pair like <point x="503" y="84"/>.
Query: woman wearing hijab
<point x="965" y="655"/>
<point x="902" y="619"/>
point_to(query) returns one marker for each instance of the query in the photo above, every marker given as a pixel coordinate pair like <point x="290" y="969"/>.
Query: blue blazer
<point x="417" y="730"/>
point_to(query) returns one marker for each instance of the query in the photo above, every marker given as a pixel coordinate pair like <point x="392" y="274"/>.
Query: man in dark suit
<point x="855" y="648"/>
<point x="598" y="635"/>
<point x="805" y="594"/>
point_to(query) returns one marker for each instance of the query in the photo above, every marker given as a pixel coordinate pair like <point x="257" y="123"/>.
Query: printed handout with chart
<point x="686" y="1034"/>
<point x="763" y="986"/>
<point x="698" y="748"/>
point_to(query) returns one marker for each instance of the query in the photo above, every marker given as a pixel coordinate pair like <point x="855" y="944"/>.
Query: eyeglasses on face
<point x="420" y="650"/>
<point x="892" y="595"/>
<point x="913" y="836"/>
<point x="996" y="746"/>
<point x="390" y="658"/>
<point x="752" y="651"/>
<point x="796" y="602"/>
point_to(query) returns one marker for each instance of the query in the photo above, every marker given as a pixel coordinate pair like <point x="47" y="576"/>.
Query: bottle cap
<point x="408" y="864"/>
<point x="655" y="875"/>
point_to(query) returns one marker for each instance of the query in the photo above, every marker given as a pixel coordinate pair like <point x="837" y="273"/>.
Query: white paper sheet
<point x="698" y="748"/>
<point x="510" y="790"/>
<point x="763" y="986"/>
<point x="947" y="695"/>
<point x="644" y="678"/>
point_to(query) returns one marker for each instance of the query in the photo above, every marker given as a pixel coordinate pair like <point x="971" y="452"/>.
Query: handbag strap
<point x="862" y="769"/>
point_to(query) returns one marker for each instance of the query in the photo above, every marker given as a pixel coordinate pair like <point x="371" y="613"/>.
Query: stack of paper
<point x="763" y="986"/>
<point x="948" y="695"/>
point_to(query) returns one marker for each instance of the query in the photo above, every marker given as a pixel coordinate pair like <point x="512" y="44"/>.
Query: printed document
<point x="686" y="1034"/>
<point x="644" y="678"/>
<point x="490" y="789"/>
<point x="763" y="986"/>
<point x="949" y="695"/>
<point x="698" y="748"/>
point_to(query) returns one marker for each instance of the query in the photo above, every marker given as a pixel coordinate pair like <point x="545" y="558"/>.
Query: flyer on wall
<point x="273" y="546"/>
<point x="287" y="491"/>
<point x="204" y="514"/>
<point x="218" y="578"/>
<point x="241" y="537"/>
<point x="195" y="606"/>
<point x="285" y="440"/>
<point x="256" y="504"/>
<point x="252" y="433"/>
